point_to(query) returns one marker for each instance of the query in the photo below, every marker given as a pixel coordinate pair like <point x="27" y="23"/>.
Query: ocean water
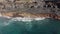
<point x="46" y="26"/>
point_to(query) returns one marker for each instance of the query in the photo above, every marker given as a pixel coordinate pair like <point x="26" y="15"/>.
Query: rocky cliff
<point x="29" y="9"/>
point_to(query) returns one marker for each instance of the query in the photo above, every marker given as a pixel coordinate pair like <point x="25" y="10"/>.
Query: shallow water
<point x="46" y="26"/>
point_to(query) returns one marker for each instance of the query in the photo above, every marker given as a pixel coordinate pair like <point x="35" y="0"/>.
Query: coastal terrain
<point x="33" y="9"/>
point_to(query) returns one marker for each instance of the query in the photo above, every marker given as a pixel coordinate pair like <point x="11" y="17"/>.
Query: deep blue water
<point x="46" y="26"/>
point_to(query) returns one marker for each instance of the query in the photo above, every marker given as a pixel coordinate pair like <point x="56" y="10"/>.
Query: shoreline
<point x="25" y="18"/>
<point x="31" y="16"/>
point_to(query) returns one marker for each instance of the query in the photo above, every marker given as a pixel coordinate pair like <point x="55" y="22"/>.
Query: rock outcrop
<point x="14" y="8"/>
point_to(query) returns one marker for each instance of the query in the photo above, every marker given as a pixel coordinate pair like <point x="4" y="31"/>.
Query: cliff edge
<point x="34" y="9"/>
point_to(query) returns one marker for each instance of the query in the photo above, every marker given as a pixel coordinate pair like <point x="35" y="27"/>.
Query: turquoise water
<point x="46" y="26"/>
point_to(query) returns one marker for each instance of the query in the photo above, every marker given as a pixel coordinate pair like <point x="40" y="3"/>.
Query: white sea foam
<point x="27" y="19"/>
<point x="23" y="19"/>
<point x="40" y="18"/>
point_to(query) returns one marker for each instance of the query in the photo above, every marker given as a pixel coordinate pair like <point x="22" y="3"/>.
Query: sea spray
<point x="27" y="19"/>
<point x="9" y="20"/>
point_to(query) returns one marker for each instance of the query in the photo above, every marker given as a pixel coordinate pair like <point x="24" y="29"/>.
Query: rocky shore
<point x="13" y="8"/>
<point x="30" y="15"/>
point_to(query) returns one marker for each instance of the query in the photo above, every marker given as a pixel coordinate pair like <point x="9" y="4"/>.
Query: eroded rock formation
<point x="37" y="8"/>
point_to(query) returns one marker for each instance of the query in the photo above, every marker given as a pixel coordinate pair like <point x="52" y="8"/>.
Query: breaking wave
<point x="23" y="19"/>
<point x="28" y="25"/>
<point x="7" y="20"/>
<point x="26" y="19"/>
